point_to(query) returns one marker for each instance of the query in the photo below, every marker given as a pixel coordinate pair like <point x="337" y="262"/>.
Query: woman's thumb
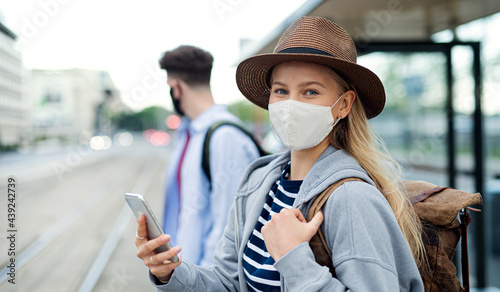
<point x="316" y="221"/>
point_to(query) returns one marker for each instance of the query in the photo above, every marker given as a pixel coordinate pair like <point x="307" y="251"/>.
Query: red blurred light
<point x="147" y="134"/>
<point x="173" y="122"/>
<point x="160" y="138"/>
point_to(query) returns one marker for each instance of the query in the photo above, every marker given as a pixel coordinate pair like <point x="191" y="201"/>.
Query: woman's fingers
<point x="315" y="223"/>
<point x="160" y="264"/>
<point x="145" y="248"/>
<point x="318" y="218"/>
<point x="296" y="213"/>
<point x="141" y="235"/>
<point x="287" y="229"/>
<point x="163" y="271"/>
<point x="166" y="256"/>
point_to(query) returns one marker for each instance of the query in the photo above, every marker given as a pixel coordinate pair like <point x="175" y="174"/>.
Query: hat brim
<point x="252" y="77"/>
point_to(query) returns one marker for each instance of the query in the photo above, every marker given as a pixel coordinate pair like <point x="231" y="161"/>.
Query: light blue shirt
<point x="199" y="222"/>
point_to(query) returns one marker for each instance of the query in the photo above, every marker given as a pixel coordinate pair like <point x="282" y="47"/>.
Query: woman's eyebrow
<point x="303" y="84"/>
<point x="277" y="83"/>
<point x="307" y="83"/>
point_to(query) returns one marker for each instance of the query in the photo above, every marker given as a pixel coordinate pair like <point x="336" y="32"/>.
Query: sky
<point x="127" y="38"/>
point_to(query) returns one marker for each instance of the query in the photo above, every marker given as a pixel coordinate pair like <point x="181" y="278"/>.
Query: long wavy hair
<point x="354" y="135"/>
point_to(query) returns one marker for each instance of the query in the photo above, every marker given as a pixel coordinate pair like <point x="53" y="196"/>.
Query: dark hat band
<point x="304" y="50"/>
<point x="298" y="50"/>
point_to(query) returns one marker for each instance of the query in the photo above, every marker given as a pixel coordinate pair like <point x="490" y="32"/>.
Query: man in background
<point x="196" y="209"/>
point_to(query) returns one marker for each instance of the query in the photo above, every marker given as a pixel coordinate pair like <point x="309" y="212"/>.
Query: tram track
<point x="65" y="252"/>
<point x="116" y="233"/>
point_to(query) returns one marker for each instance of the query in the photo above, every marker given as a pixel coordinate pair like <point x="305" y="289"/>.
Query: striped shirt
<point x="257" y="262"/>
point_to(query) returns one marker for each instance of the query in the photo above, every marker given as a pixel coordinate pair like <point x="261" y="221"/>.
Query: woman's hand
<point x="158" y="264"/>
<point x="287" y="229"/>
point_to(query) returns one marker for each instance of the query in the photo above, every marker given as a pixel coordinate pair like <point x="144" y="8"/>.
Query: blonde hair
<point x="354" y="135"/>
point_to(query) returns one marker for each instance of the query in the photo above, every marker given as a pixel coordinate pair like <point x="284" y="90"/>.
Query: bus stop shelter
<point x="408" y="26"/>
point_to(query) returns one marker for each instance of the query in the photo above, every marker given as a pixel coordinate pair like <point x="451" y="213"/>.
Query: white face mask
<point x="301" y="125"/>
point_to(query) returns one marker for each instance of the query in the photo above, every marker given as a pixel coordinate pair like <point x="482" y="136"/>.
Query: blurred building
<point x="14" y="106"/>
<point x="70" y="102"/>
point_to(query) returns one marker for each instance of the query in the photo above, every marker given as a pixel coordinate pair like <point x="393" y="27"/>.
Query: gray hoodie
<point x="368" y="248"/>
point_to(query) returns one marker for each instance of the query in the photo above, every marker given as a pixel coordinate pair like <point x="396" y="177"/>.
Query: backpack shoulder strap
<point x="465" y="219"/>
<point x="205" y="160"/>
<point x="322" y="253"/>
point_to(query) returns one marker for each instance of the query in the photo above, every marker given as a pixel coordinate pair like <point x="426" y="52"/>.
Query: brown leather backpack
<point x="438" y="209"/>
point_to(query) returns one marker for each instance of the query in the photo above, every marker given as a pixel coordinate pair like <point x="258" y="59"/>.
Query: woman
<point x="319" y="101"/>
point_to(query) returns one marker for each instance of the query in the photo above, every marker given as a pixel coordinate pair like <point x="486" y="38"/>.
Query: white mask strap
<point x="338" y="119"/>
<point x="337" y="100"/>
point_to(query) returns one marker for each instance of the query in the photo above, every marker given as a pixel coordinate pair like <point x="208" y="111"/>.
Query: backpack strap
<point x="322" y="253"/>
<point x="422" y="196"/>
<point x="464" y="222"/>
<point x="205" y="161"/>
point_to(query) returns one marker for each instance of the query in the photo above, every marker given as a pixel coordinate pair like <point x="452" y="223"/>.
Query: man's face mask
<point x="176" y="103"/>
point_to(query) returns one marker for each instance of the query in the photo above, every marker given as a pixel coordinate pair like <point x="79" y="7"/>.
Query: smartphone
<point x="139" y="206"/>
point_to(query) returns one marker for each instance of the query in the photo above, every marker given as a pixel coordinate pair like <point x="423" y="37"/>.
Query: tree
<point x="148" y="118"/>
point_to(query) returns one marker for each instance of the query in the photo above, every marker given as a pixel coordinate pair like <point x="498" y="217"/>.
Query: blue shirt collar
<point x="206" y="119"/>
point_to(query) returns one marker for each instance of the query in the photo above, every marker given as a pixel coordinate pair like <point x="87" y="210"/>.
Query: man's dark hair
<point x="190" y="64"/>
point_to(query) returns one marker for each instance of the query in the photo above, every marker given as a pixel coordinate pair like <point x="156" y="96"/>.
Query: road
<point x="73" y="231"/>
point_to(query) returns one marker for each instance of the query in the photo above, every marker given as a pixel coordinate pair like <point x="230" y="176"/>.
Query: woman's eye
<point x="311" y="92"/>
<point x="280" y="91"/>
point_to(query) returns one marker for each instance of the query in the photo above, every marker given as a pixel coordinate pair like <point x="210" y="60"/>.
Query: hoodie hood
<point x="331" y="166"/>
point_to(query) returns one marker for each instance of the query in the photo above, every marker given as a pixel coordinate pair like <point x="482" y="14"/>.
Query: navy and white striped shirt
<point x="257" y="262"/>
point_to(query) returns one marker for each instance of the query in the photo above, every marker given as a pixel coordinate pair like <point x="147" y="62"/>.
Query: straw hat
<point x="316" y="40"/>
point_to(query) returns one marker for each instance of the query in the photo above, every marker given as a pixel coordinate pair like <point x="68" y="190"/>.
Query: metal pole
<point x="479" y="165"/>
<point x="450" y="115"/>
